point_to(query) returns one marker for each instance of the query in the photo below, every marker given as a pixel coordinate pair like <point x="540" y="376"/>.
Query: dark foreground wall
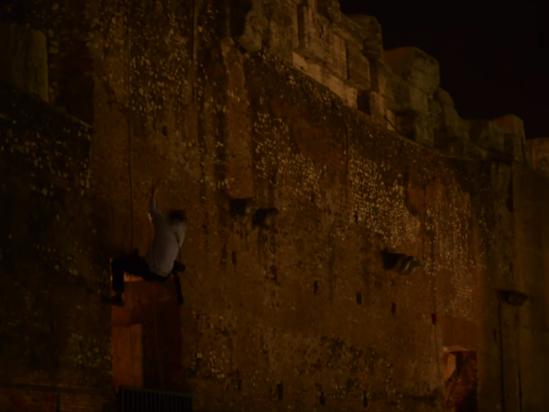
<point x="54" y="349"/>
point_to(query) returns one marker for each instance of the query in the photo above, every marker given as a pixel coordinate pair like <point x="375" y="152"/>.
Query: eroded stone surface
<point x="247" y="111"/>
<point x="24" y="59"/>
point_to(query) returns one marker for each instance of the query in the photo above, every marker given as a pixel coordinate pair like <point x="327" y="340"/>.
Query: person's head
<point x="177" y="216"/>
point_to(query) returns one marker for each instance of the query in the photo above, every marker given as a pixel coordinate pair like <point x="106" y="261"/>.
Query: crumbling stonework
<point x="350" y="234"/>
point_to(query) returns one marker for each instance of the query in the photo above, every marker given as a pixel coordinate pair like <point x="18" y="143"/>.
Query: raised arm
<point x="180" y="232"/>
<point x="153" y="209"/>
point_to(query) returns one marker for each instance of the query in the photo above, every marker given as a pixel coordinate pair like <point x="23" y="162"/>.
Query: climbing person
<point x="161" y="259"/>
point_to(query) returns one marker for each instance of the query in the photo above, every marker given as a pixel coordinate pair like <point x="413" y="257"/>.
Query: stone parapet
<point x="400" y="88"/>
<point x="415" y="67"/>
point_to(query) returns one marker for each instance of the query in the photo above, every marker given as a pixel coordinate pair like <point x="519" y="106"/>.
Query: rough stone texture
<point x="514" y="137"/>
<point x="451" y="134"/>
<point x="539" y="153"/>
<point x="398" y="88"/>
<point x="53" y="341"/>
<point x="295" y="200"/>
<point x="416" y="67"/>
<point x="369" y="31"/>
<point x="23" y="59"/>
<point x="527" y="325"/>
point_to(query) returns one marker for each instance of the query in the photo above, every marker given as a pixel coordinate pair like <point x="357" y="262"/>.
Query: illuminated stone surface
<point x="301" y="152"/>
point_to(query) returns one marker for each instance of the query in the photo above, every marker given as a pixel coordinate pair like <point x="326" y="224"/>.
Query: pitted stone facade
<point x="354" y="244"/>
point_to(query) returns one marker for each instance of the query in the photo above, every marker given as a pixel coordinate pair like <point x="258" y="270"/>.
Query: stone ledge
<point x="317" y="72"/>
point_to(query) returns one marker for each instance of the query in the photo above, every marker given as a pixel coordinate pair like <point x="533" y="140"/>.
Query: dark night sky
<point x="494" y="59"/>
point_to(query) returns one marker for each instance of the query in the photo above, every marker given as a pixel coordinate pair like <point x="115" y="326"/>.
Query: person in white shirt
<point x="160" y="261"/>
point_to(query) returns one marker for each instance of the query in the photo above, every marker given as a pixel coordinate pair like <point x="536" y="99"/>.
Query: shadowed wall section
<point x="54" y="346"/>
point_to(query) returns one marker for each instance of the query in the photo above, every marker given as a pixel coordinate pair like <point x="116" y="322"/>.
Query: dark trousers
<point x="132" y="264"/>
<point x="137" y="265"/>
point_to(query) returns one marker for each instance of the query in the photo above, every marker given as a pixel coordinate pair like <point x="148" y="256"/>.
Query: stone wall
<point x="400" y="88"/>
<point x="23" y="59"/>
<point x="527" y="320"/>
<point x="539" y="152"/>
<point x="349" y="232"/>
<point x="54" y="350"/>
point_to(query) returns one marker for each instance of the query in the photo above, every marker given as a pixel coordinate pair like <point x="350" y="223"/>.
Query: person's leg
<point x="178" y="267"/>
<point x="137" y="265"/>
<point x="153" y="277"/>
<point x="118" y="266"/>
<point x="132" y="263"/>
<point x="178" y="293"/>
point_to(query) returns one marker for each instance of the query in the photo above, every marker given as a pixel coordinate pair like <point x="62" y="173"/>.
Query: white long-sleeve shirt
<point x="168" y="239"/>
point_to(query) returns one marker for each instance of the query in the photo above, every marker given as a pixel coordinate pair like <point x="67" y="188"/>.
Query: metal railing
<point x="145" y="400"/>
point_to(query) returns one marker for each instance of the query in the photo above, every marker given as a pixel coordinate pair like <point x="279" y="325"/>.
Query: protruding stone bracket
<point x="399" y="262"/>
<point x="239" y="207"/>
<point x="263" y="216"/>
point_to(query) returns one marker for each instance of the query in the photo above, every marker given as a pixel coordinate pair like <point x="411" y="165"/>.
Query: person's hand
<point x="155" y="186"/>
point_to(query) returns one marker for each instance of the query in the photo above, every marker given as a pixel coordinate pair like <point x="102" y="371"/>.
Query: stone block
<point x="390" y="120"/>
<point x="358" y="66"/>
<point x="321" y="42"/>
<point x="375" y="105"/>
<point x="486" y="135"/>
<point x="444" y="98"/>
<point x="502" y="137"/>
<point x="418" y="99"/>
<point x="319" y="73"/>
<point x="539" y="152"/>
<point x="415" y="66"/>
<point x="329" y="9"/>
<point x="248" y="25"/>
<point x="282" y="34"/>
<point x="372" y="103"/>
<point x="511" y="123"/>
<point x="24" y="59"/>
<point x="370" y="32"/>
<point x="451" y="131"/>
<point x="515" y="137"/>
<point x="450" y="120"/>
<point x="402" y="96"/>
<point x="416" y="126"/>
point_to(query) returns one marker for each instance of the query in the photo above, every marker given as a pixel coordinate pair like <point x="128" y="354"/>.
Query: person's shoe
<point x="178" y="267"/>
<point x="115" y="300"/>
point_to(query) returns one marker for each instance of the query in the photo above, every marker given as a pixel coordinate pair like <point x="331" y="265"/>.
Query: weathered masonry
<point x="354" y="244"/>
